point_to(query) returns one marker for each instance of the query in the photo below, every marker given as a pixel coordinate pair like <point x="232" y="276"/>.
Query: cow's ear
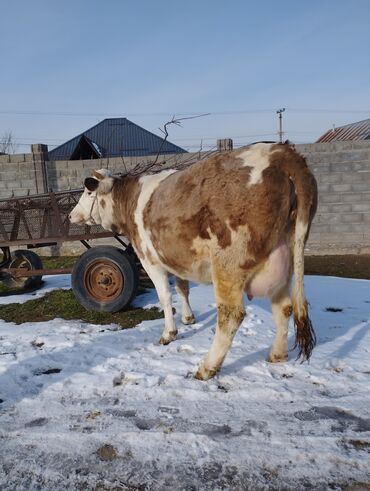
<point x="91" y="184"/>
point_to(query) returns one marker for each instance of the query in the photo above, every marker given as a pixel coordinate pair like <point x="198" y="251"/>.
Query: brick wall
<point x="342" y="170"/>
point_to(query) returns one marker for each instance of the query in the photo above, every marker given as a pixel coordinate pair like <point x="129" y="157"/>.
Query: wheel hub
<point x="103" y="280"/>
<point x="20" y="263"/>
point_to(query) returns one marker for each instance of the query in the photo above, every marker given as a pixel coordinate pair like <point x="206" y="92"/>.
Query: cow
<point x="238" y="220"/>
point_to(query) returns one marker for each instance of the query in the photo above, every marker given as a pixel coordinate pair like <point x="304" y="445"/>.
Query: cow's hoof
<point x="277" y="359"/>
<point x="204" y="373"/>
<point x="168" y="339"/>
<point x="189" y="319"/>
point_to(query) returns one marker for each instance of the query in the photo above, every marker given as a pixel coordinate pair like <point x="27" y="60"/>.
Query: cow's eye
<point x="88" y="192"/>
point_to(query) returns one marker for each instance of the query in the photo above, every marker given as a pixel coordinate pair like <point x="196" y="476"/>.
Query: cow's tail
<point x="305" y="188"/>
<point x="306" y="193"/>
<point x="305" y="338"/>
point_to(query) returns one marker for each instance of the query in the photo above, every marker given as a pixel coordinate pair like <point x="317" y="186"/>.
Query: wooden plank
<point x="3" y="231"/>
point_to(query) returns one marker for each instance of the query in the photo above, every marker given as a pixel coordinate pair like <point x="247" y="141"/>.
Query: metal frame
<point x="42" y="220"/>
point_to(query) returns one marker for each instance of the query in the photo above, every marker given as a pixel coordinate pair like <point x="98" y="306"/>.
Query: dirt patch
<point x="360" y="486"/>
<point x="107" y="452"/>
<point x="360" y="445"/>
<point x="347" y="266"/>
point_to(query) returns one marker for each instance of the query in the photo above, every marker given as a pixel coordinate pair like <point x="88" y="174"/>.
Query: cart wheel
<point x="105" y="279"/>
<point x="28" y="260"/>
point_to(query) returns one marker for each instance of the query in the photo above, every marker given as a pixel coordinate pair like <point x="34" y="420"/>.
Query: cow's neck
<point x="125" y="194"/>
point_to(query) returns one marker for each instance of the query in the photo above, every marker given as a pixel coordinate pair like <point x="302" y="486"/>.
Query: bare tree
<point x="156" y="165"/>
<point x="7" y="144"/>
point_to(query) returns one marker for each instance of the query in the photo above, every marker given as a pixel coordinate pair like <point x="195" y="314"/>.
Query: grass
<point x="62" y="303"/>
<point x="50" y="262"/>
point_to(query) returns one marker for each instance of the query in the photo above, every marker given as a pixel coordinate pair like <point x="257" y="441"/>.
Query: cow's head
<point x="92" y="206"/>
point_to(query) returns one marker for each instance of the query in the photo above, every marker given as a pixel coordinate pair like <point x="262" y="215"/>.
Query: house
<point x="113" y="137"/>
<point x="353" y="131"/>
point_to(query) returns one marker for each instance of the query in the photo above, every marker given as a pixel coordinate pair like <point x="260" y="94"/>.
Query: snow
<point x="93" y="407"/>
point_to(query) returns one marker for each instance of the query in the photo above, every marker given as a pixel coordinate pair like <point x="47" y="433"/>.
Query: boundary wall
<point x="342" y="170"/>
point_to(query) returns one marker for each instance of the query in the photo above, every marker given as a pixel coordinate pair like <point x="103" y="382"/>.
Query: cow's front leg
<point x="159" y="277"/>
<point x="182" y="289"/>
<point x="230" y="313"/>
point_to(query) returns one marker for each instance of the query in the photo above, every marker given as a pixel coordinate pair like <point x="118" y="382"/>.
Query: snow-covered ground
<point x="92" y="407"/>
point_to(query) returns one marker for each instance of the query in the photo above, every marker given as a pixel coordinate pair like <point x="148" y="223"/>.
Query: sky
<point x="68" y="65"/>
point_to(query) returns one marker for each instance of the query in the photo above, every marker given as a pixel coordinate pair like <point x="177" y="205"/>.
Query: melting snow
<point x="87" y="406"/>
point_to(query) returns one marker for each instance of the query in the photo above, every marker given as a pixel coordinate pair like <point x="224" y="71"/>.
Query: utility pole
<point x="280" y="113"/>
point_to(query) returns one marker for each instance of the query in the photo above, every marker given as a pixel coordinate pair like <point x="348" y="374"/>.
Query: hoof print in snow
<point x="37" y="344"/>
<point x="333" y="309"/>
<point x="37" y="422"/>
<point x="121" y="413"/>
<point x="93" y="415"/>
<point x="107" y="452"/>
<point x="144" y="424"/>
<point x="47" y="371"/>
<point x="251" y="427"/>
<point x="87" y="429"/>
<point x="1" y="401"/>
<point x="343" y="419"/>
<point x="118" y="380"/>
<point x="168" y="410"/>
<point x="216" y="430"/>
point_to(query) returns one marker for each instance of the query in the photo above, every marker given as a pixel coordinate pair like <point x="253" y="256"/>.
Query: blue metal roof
<point x="117" y="137"/>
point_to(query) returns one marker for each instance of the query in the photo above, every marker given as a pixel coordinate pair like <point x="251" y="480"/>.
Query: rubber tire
<point x="34" y="262"/>
<point x="119" y="259"/>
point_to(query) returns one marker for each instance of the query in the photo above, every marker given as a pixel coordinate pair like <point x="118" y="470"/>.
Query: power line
<point x="24" y="112"/>
<point x="39" y="139"/>
<point x="196" y="139"/>
<point x="108" y="114"/>
<point x="31" y="140"/>
<point x="192" y="138"/>
<point x="330" y="111"/>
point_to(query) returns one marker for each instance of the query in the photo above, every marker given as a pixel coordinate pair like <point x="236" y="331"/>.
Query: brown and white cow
<point x="238" y="220"/>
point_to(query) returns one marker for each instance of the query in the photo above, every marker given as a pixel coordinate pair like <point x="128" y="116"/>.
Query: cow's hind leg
<point x="182" y="289"/>
<point x="230" y="313"/>
<point x="281" y="311"/>
<point x="159" y="277"/>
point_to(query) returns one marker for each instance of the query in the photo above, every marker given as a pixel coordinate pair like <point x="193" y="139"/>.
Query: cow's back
<point x="214" y="204"/>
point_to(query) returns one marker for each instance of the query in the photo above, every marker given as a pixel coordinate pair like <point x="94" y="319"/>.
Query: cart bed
<point x="42" y="219"/>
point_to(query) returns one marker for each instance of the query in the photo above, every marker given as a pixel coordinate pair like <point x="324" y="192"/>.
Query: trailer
<point x="104" y="278"/>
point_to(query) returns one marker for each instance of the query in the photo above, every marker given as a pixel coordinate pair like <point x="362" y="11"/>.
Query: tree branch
<point x="144" y="168"/>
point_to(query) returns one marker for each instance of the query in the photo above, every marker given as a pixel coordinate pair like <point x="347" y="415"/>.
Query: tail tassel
<point x="305" y="338"/>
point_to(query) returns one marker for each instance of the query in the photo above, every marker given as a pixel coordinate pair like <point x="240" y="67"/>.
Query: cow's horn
<point x="98" y="176"/>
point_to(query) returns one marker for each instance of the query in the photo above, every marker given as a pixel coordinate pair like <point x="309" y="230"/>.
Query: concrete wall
<point x="342" y="169"/>
<point x="342" y="222"/>
<point x="20" y="175"/>
<point x="70" y="174"/>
